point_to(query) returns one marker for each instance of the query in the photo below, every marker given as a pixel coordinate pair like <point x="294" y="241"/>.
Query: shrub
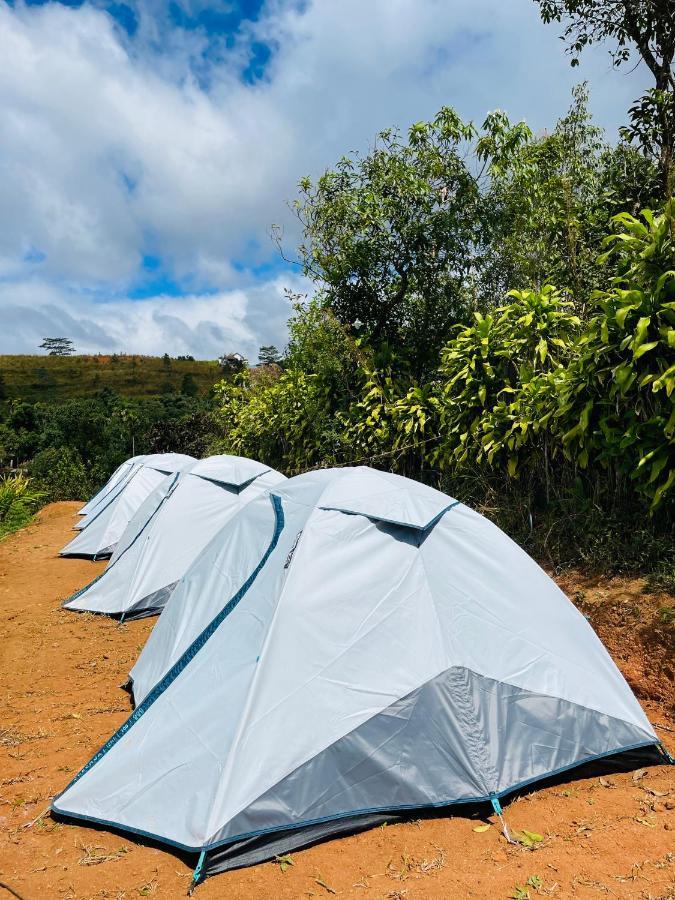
<point x="618" y="398"/>
<point x="61" y="474"/>
<point x="19" y="500"/>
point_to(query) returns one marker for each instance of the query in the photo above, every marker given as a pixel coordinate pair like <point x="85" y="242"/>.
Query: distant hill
<point x="34" y="378"/>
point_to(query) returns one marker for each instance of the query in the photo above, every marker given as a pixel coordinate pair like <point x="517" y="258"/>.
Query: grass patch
<point x="57" y="378"/>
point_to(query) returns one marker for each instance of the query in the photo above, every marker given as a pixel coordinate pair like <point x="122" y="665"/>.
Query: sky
<point x="148" y="146"/>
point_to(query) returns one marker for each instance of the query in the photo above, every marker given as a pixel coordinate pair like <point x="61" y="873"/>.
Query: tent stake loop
<point x="664" y="751"/>
<point x="197" y="874"/>
<point x="496" y="805"/>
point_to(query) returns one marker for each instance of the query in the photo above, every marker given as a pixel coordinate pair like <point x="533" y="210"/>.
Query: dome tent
<point x="121" y="474"/>
<point x="169" y="531"/>
<point x="104" y="526"/>
<point x="391" y="650"/>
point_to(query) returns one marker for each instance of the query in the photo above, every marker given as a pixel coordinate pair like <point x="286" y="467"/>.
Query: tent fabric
<point x="199" y="597"/>
<point x="168" y="532"/>
<point x="120" y="472"/>
<point x="104" y="526"/>
<point x="109" y="492"/>
<point x="359" y="667"/>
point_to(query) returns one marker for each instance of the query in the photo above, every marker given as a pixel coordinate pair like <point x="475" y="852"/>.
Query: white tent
<point x="121" y="474"/>
<point x="104" y="526"/>
<point x="391" y="650"/>
<point x="169" y="531"/>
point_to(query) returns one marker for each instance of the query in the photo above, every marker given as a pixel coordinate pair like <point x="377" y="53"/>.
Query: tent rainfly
<point x="104" y="526"/>
<point x="391" y="650"/>
<point x="120" y="474"/>
<point x="169" y="531"/>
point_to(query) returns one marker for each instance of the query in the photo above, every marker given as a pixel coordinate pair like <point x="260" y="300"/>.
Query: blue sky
<point x="148" y="146"/>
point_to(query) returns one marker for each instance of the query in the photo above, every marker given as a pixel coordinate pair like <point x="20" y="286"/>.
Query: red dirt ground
<point x="60" y="695"/>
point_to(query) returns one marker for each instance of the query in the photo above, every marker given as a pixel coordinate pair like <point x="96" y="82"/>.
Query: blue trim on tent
<point x="111" y="565"/>
<point x="352" y="813"/>
<point x="189" y="654"/>
<point x="83" y="589"/>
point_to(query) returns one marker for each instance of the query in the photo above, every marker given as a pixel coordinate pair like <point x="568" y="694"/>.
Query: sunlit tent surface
<point x="120" y="474"/>
<point x="169" y="531"/>
<point x="104" y="526"/>
<point x="391" y="650"/>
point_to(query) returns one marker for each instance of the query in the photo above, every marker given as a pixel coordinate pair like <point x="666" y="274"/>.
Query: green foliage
<point x="552" y="198"/>
<point x="292" y="419"/>
<point x="282" y="420"/>
<point x="618" y="397"/>
<point x="194" y="434"/>
<point x="545" y="197"/>
<point x="60" y="474"/>
<point x="560" y="427"/>
<point x="73" y="446"/>
<point x="319" y="344"/>
<point x="189" y="386"/>
<point x="268" y="354"/>
<point x="19" y="501"/>
<point x="389" y="234"/>
<point x="642" y="28"/>
<point x="406" y="241"/>
<point x="495" y="392"/>
<point x="58" y="346"/>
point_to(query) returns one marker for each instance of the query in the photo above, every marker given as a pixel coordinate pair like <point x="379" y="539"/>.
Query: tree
<point x="58" y="346"/>
<point x="189" y="386"/>
<point x="391" y="236"/>
<point x="551" y="201"/>
<point x="128" y="418"/>
<point x="269" y="354"/>
<point x="193" y="434"/>
<point x="642" y="27"/>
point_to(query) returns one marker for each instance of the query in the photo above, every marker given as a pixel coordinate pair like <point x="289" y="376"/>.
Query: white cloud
<point x="203" y="325"/>
<point x="112" y="148"/>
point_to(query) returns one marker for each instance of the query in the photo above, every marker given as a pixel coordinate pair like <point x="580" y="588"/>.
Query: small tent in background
<point x="390" y="650"/>
<point x="168" y="533"/>
<point x="105" y="525"/>
<point x="121" y="473"/>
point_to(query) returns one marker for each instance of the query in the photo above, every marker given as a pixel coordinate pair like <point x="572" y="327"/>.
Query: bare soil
<point x="60" y="700"/>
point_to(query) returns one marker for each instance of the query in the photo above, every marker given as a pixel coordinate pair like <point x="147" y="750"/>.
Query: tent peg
<point x="197" y="874"/>
<point x="496" y="805"/>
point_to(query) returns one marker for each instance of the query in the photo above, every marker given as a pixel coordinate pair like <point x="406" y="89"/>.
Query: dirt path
<point x="60" y="700"/>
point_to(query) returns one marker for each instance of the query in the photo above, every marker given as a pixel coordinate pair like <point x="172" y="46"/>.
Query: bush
<point x="618" y="398"/>
<point x="561" y="430"/>
<point x="60" y="474"/>
<point x="19" y="500"/>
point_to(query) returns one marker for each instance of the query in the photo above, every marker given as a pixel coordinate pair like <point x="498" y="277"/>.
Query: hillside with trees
<point x="62" y="376"/>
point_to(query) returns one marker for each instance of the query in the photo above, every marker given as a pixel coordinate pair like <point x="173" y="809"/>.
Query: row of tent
<point x="334" y="650"/>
